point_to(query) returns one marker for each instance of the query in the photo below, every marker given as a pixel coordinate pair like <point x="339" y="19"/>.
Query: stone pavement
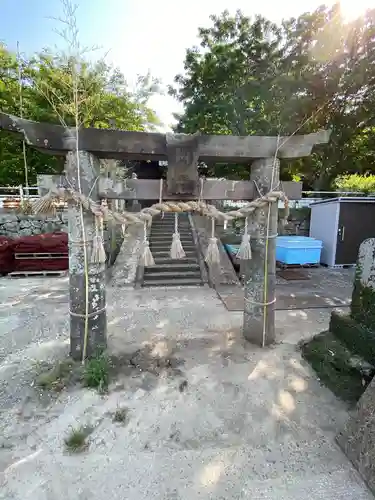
<point x="231" y="421"/>
<point x="321" y="288"/>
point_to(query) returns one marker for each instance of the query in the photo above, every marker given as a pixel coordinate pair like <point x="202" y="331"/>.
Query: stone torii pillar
<point x="87" y="300"/>
<point x="260" y="271"/>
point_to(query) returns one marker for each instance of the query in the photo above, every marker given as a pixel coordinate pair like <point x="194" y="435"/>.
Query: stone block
<point x="363" y="298"/>
<point x="358" y="332"/>
<point x="358" y="438"/>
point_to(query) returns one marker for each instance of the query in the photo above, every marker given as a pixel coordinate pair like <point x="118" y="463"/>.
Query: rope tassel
<point x="98" y="255"/>
<point x="26" y="207"/>
<point x="177" y="251"/>
<point x="146" y="258"/>
<point x="45" y="205"/>
<point x="244" y="252"/>
<point x="212" y="253"/>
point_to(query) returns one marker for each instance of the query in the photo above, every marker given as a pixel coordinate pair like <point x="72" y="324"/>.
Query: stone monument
<point x="358" y="438"/>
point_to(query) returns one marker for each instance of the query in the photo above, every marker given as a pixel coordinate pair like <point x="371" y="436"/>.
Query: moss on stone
<point x="331" y="361"/>
<point x="363" y="304"/>
<point x="357" y="337"/>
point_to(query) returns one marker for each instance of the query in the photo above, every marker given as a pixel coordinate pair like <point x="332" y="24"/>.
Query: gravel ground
<point x="220" y="419"/>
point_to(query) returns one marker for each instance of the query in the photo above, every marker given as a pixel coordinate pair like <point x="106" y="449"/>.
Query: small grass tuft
<point x="57" y="377"/>
<point x="76" y="441"/>
<point x="96" y="372"/>
<point x="121" y="415"/>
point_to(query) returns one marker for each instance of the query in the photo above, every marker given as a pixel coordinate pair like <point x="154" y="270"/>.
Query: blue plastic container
<point x="232" y="249"/>
<point x="298" y="250"/>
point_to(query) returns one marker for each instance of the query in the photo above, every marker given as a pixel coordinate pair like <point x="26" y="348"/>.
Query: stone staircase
<point x="167" y="271"/>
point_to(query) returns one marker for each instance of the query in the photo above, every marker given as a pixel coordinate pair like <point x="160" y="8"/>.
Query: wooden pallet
<point x="293" y="274"/>
<point x="23" y="256"/>
<point x="35" y="274"/>
<point x="281" y="265"/>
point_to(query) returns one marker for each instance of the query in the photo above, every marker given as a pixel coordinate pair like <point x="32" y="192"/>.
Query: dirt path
<point x="230" y="421"/>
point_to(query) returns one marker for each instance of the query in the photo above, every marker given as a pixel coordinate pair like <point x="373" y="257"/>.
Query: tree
<point x="355" y="182"/>
<point x="47" y="91"/>
<point x="256" y="77"/>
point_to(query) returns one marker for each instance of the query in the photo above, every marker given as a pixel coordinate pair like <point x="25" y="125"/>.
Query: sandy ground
<point x="227" y="421"/>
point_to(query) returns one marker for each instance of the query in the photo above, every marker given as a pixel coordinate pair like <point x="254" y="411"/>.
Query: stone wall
<point x="298" y="222"/>
<point x="15" y="225"/>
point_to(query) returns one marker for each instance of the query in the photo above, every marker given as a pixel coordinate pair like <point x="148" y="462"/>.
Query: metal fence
<point x="308" y="198"/>
<point x="12" y="195"/>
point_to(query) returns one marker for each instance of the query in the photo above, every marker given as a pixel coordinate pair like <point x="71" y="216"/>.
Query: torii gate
<point x="183" y="153"/>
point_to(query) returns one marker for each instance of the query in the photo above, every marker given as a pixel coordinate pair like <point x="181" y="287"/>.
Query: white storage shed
<point x="342" y="224"/>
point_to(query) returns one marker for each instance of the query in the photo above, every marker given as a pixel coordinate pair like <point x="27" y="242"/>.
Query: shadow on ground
<point x="209" y="415"/>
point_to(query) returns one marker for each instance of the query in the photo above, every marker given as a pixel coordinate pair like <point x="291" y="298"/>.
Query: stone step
<point x="169" y="235"/>
<point x="167" y="271"/>
<point x="173" y="282"/>
<point x="166" y="250"/>
<point x="170" y="228"/>
<point x="171" y="275"/>
<point x="167" y="261"/>
<point x="171" y="215"/>
<point x="181" y="223"/>
<point x="174" y="265"/>
<point x="164" y="222"/>
<point x="167" y="227"/>
<point x="165" y="254"/>
<point x="169" y="239"/>
<point x="167" y="245"/>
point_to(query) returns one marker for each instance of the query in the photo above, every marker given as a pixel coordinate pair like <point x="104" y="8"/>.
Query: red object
<point x="42" y="243"/>
<point x="49" y="243"/>
<point x="6" y="255"/>
<point x="24" y="265"/>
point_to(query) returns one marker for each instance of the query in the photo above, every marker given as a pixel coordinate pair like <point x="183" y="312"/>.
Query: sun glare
<point x="351" y="9"/>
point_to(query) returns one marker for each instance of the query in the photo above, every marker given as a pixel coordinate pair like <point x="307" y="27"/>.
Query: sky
<point x="137" y="35"/>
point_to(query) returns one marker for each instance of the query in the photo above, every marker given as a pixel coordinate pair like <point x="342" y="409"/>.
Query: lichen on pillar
<point x="260" y="271"/>
<point x="87" y="296"/>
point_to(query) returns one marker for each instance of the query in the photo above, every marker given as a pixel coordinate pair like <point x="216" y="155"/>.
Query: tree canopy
<point x="49" y="82"/>
<point x="252" y="76"/>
